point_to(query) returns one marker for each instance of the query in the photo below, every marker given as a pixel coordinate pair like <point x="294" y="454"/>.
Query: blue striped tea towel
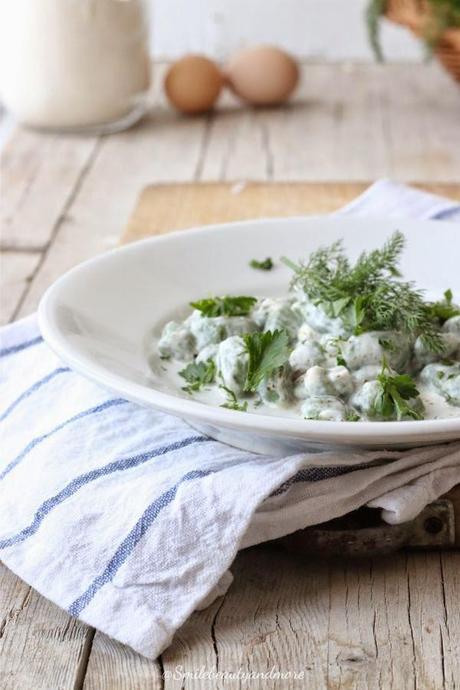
<point x="130" y="519"/>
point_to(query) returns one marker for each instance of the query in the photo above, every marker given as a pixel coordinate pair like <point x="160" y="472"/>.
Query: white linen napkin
<point x="129" y="519"/>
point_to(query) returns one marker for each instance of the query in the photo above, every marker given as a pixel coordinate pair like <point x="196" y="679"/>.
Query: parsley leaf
<point x="396" y="391"/>
<point x="198" y="375"/>
<point x="265" y="265"/>
<point x="232" y="401"/>
<point x="267" y="351"/>
<point x="224" y="306"/>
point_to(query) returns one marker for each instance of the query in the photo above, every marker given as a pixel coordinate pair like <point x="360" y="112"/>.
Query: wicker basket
<point x="414" y="15"/>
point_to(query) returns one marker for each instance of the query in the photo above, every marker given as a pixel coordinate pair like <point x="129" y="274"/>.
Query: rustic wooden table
<point x="374" y="624"/>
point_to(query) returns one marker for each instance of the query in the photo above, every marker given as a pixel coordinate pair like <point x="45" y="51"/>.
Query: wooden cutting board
<point x="163" y="208"/>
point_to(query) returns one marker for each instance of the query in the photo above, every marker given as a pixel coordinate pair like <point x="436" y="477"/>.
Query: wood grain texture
<point x="450" y="579"/>
<point x="350" y="123"/>
<point x="40" y="176"/>
<point x="163" y="208"/>
<point x="113" y="666"/>
<point x="158" y="150"/>
<point x="41" y="647"/>
<point x="365" y="625"/>
<point x="16" y="270"/>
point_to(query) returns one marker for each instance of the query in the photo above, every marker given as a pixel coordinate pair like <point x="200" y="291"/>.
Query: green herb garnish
<point x="198" y="375"/>
<point x="232" y="402"/>
<point x="369" y="295"/>
<point x="444" y="309"/>
<point x="225" y="306"/>
<point x="352" y="416"/>
<point x="267" y="351"/>
<point x="374" y="11"/>
<point x="265" y="265"/>
<point x="396" y="391"/>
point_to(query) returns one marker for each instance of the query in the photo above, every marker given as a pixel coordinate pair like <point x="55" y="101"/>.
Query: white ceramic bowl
<point x="103" y="316"/>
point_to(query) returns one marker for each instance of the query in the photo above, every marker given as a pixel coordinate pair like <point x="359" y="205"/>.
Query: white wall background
<point x="311" y="29"/>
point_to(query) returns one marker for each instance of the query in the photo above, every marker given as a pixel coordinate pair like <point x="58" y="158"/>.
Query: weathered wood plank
<point x="350" y="123"/>
<point x="40" y="174"/>
<point x="420" y="108"/>
<point x="365" y="625"/>
<point x="41" y="647"/>
<point x="369" y="631"/>
<point x="427" y="615"/>
<point x="237" y="147"/>
<point x="112" y="666"/>
<point x="326" y="134"/>
<point x="273" y="619"/>
<point x="450" y="582"/>
<point x="360" y="122"/>
<point x="164" y="147"/>
<point x="16" y="269"/>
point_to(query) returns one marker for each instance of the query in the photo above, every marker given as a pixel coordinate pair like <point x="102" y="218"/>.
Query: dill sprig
<point x="232" y="402"/>
<point x="369" y="295"/>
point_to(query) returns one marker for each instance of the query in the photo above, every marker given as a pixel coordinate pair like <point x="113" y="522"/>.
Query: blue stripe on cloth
<point x="83" y="479"/>
<point x="21" y="346"/>
<point x="39" y="439"/>
<point x="447" y="213"/>
<point x="32" y="389"/>
<point x="131" y="540"/>
<point x="319" y="474"/>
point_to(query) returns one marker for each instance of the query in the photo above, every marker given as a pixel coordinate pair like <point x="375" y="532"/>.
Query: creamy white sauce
<point x="313" y="385"/>
<point x="436" y="406"/>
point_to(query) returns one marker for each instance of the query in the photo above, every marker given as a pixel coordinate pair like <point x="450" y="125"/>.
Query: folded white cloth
<point x="129" y="519"/>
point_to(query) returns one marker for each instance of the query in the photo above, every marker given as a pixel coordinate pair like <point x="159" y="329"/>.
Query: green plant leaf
<point x="198" y="375"/>
<point x="265" y="265"/>
<point x="224" y="306"/>
<point x="396" y="391"/>
<point x="267" y="351"/>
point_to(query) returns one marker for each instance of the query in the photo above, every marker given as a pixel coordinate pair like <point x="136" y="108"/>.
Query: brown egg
<point x="264" y="75"/>
<point x="193" y="84"/>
